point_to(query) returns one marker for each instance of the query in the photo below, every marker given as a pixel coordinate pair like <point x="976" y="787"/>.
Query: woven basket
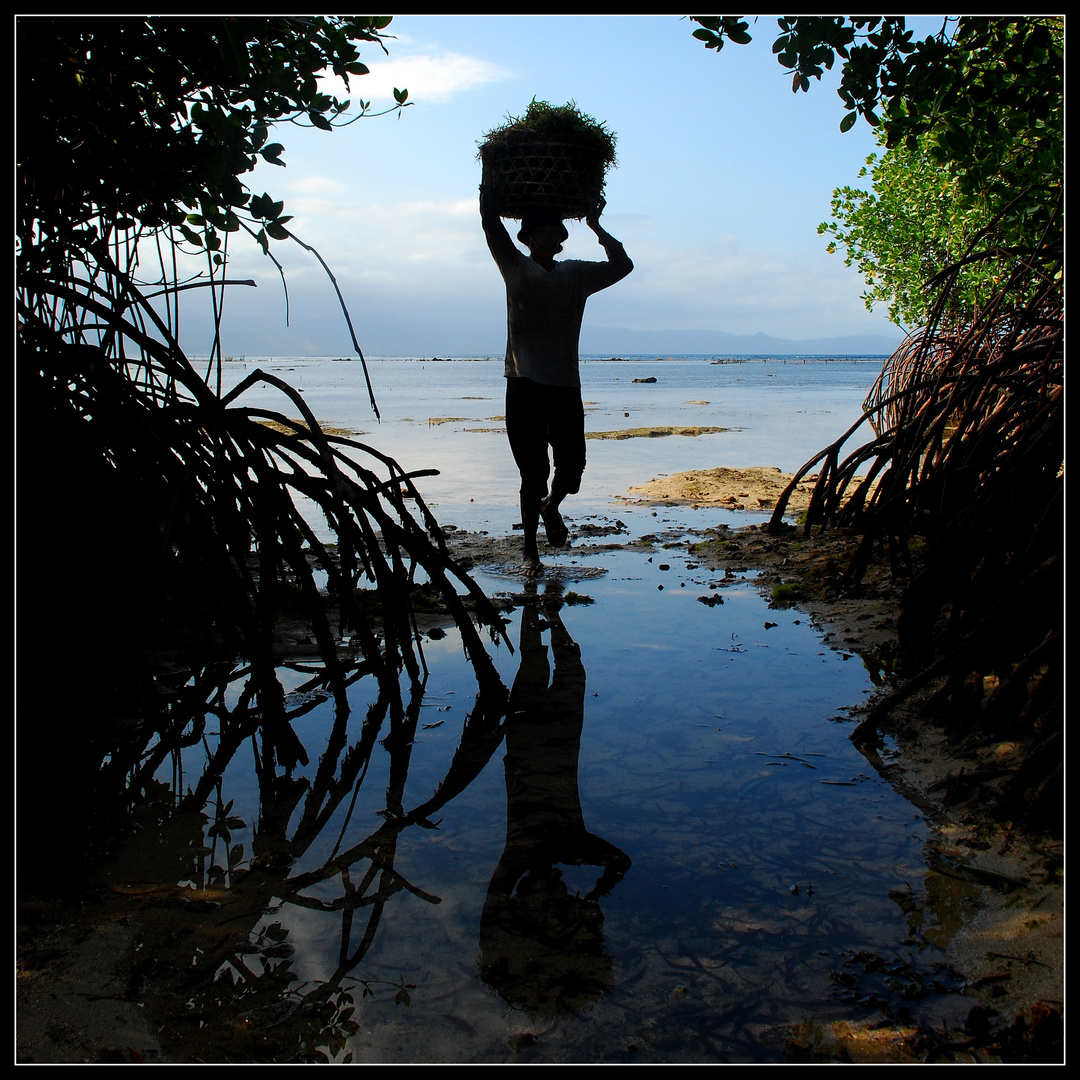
<point x="536" y="176"/>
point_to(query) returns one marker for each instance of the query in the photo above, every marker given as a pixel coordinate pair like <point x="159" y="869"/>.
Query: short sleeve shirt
<point x="544" y="309"/>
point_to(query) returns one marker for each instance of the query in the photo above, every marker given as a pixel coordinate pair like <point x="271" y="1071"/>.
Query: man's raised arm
<point x="498" y="239"/>
<point x="618" y="261"/>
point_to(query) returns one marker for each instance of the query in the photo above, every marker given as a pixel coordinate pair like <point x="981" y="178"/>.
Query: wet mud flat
<point x="1010" y="941"/>
<point x="676" y="953"/>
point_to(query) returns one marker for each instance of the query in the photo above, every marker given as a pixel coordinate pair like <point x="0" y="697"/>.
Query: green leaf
<point x="272" y="152"/>
<point x="849" y="121"/>
<point x="712" y="41"/>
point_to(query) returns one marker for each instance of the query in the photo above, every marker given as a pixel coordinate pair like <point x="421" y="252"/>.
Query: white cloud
<point x="428" y="77"/>
<point x="428" y="247"/>
<point x="428" y="258"/>
<point x="735" y="287"/>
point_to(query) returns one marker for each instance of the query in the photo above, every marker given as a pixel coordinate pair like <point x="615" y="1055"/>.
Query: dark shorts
<point x="538" y="416"/>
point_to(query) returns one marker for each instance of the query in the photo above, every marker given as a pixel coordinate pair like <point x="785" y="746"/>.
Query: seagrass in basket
<point x="534" y="174"/>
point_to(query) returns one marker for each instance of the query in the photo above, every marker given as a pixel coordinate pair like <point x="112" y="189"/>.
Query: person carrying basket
<point x="545" y="302"/>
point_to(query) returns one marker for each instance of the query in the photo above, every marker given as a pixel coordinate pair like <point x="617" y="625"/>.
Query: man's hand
<point x="593" y="219"/>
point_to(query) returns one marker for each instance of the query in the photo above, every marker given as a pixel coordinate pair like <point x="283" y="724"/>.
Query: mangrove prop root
<point x="201" y="537"/>
<point x="962" y="479"/>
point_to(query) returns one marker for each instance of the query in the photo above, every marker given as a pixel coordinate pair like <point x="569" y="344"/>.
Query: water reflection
<point x="542" y="945"/>
<point x="376" y="902"/>
<point x="281" y="862"/>
<point x="234" y="856"/>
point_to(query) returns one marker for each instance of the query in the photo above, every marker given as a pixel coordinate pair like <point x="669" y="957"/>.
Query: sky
<point x="723" y="177"/>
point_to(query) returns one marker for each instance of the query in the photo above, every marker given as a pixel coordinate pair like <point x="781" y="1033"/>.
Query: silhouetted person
<point x="545" y="301"/>
<point x="542" y="946"/>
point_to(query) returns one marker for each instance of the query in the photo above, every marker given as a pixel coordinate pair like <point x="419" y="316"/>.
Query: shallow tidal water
<point x="447" y="415"/>
<point x="665" y="849"/>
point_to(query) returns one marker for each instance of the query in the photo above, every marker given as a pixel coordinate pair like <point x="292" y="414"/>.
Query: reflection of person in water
<point x="541" y="946"/>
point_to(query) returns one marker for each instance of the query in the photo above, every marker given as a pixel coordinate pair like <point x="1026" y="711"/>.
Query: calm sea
<point x="447" y="414"/>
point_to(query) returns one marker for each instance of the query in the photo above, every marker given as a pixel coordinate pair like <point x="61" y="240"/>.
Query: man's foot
<point x="531" y="567"/>
<point x="554" y="526"/>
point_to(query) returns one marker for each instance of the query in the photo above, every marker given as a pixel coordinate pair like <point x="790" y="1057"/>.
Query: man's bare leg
<point x="530" y="522"/>
<point x="554" y="526"/>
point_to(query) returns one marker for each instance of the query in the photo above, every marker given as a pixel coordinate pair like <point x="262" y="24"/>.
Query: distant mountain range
<point x="614" y="340"/>
<point x="313" y="334"/>
<point x="464" y="340"/>
<point x="472" y="340"/>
